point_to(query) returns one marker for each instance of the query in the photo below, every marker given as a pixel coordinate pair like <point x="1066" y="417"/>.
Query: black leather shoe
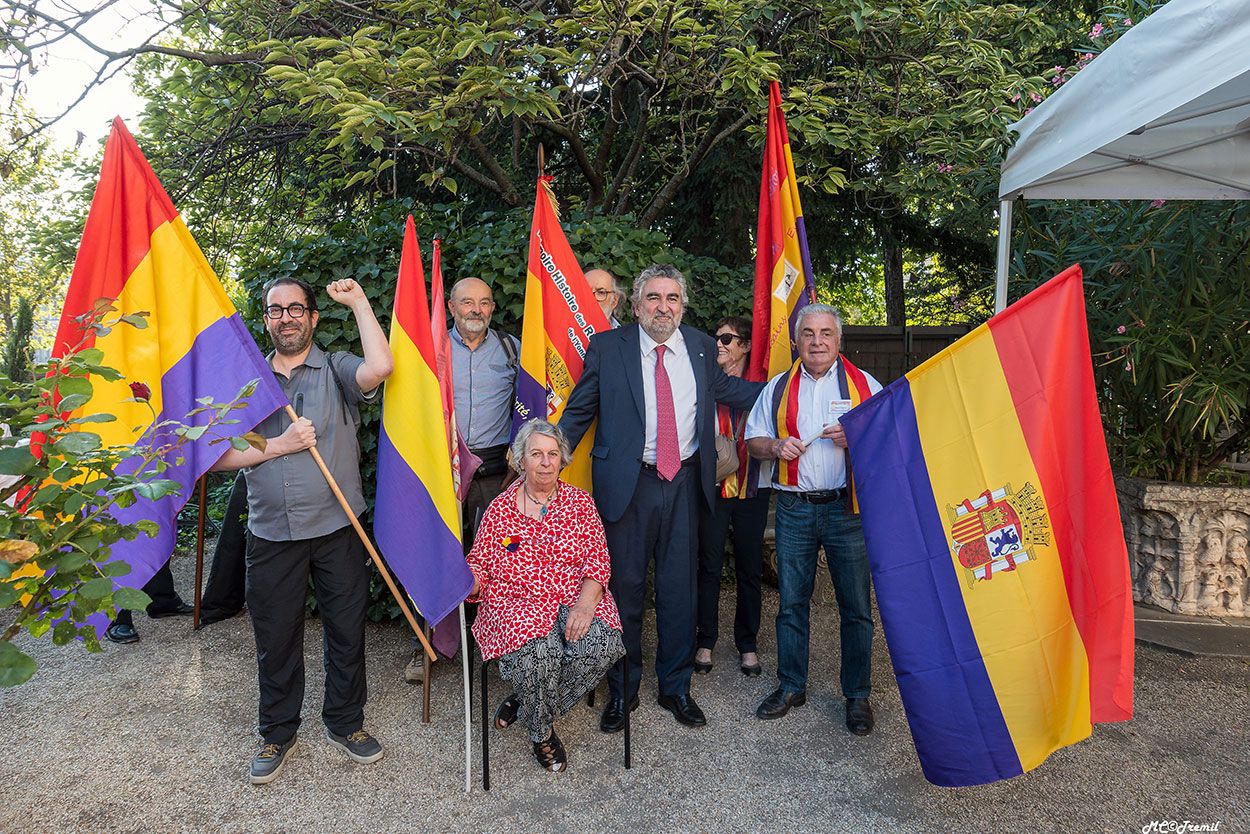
<point x="613" y="720"/>
<point x="184" y="609"/>
<point x="684" y="709"/>
<point x="122" y="633"/>
<point x="779" y="703"/>
<point x="859" y="716"/>
<point x="702" y="668"/>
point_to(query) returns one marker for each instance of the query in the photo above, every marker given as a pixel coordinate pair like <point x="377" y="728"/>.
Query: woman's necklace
<point x="542" y="505"/>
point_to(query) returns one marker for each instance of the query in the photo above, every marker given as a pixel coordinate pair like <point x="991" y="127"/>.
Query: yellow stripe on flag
<point x="1022" y="619"/>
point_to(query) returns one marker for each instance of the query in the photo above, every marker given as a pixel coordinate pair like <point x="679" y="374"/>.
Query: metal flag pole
<point x="199" y="553"/>
<point x="468" y="718"/>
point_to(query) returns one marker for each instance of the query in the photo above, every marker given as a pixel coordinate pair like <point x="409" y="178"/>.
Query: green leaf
<point x="131" y="598"/>
<point x="16" y="667"/>
<point x="16" y="460"/>
<point x="97" y="588"/>
<point x="8" y="595"/>
<point x="78" y="443"/>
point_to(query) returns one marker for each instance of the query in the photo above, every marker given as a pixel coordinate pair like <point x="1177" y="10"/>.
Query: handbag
<point x="726" y="456"/>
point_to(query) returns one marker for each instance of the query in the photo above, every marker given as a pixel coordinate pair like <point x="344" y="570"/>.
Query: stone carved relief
<point x="1188" y="546"/>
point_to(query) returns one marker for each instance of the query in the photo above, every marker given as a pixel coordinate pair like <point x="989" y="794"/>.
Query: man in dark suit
<point x="654" y="386"/>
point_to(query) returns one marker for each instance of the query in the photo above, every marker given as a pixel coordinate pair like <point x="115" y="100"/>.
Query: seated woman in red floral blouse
<point x="540" y="565"/>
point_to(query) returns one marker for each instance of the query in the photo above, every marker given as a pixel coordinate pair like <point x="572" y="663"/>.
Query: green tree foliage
<point x="15" y="361"/>
<point x="1168" y="301"/>
<point x="273" y="119"/>
<point x="30" y="190"/>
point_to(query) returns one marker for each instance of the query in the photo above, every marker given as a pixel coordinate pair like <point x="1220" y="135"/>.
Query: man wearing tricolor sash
<point x="795" y="424"/>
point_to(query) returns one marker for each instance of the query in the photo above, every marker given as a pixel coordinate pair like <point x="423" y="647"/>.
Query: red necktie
<point x="667" y="451"/>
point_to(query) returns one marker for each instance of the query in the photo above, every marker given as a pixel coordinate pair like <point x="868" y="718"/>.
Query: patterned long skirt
<point x="549" y="674"/>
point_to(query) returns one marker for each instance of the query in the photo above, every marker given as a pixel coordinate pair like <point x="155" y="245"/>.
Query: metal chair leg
<point x="625" y="674"/>
<point x="485" y="729"/>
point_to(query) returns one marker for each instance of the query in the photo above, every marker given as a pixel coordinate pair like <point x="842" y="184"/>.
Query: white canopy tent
<point x="1163" y="113"/>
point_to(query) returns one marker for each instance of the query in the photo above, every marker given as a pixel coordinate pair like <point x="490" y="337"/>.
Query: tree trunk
<point x="892" y="256"/>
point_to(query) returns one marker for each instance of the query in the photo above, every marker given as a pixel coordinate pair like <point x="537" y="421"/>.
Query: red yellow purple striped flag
<point x="416" y="515"/>
<point x="463" y="462"/>
<point x="995" y="542"/>
<point x="784" y="282"/>
<point x="136" y="250"/>
<point x="560" y="316"/>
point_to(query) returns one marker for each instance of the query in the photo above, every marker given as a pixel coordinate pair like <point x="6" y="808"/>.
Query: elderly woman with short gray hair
<point x="541" y="570"/>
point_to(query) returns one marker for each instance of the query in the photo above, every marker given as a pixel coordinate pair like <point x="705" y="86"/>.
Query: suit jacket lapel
<point x="631" y="356"/>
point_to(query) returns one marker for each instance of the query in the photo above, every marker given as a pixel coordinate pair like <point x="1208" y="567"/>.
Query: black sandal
<point x="550" y="753"/>
<point x="506" y="715"/>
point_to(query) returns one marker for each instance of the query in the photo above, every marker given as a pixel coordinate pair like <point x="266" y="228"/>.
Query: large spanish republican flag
<point x="137" y="251"/>
<point x="463" y="462"/>
<point x="561" y="315"/>
<point x="416" y="517"/>
<point x="995" y="542"/>
<point x="784" y="282"/>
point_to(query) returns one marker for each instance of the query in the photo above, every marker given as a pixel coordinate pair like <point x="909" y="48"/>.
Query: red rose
<point x="141" y="391"/>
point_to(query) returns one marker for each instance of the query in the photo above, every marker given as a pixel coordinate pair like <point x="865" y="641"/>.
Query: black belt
<point x="690" y="461"/>
<point x="821" y="496"/>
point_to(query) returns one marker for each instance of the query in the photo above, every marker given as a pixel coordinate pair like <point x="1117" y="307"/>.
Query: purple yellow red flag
<point x="137" y="250"/>
<point x="784" y="282"/>
<point x="995" y="542"/>
<point x="561" y="314"/>
<point x="416" y="515"/>
<point x="463" y="462"/>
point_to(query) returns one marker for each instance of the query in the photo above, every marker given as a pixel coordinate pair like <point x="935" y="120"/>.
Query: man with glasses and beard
<point x="654" y="386"/>
<point x="297" y="529"/>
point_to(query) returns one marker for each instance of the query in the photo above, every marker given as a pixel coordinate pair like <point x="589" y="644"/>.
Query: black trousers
<point x="277" y="584"/>
<point x="224" y="594"/>
<point x="161" y="589"/>
<point x="660" y="524"/>
<point x="748" y="517"/>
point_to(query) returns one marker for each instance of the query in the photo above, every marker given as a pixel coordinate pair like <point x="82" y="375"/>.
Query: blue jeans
<point x="802" y="529"/>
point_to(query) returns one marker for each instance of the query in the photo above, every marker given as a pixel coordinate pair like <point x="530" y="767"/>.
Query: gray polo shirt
<point x="288" y="498"/>
<point x="484" y="384"/>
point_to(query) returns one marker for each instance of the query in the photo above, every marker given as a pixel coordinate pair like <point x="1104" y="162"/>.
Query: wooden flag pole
<point x="199" y="553"/>
<point x="373" y="553"/>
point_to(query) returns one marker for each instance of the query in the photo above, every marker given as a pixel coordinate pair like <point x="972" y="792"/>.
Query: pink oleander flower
<point x="1015" y="98"/>
<point x="1128" y="21"/>
<point x="1057" y="81"/>
<point x="1157" y="203"/>
<point x="1121" y="330"/>
<point x="1087" y="57"/>
<point x="1035" y="97"/>
<point x="1058" y="69"/>
<point x="1028" y="110"/>
<point x="1128" y="366"/>
<point x="1097" y="31"/>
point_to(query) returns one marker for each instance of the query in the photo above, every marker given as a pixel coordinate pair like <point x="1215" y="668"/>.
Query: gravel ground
<point x="156" y="737"/>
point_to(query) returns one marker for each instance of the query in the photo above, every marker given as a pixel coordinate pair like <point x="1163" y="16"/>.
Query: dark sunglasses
<point x="727" y="339"/>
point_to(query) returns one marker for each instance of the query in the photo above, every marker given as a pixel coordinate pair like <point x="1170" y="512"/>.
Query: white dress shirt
<point x="823" y="465"/>
<point x="685" y="397"/>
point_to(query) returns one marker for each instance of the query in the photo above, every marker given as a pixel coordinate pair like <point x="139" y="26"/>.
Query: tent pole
<point x="1004" y="255"/>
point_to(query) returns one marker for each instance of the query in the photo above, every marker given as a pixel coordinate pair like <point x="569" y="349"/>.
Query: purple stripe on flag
<point x="427" y="558"/>
<point x="956" y="723"/>
<point x="531" y="400"/>
<point x="221" y="361"/>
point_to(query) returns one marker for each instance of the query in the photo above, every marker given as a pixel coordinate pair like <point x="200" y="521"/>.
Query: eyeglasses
<point x="727" y="339"/>
<point x="295" y="311"/>
<point x="602" y="294"/>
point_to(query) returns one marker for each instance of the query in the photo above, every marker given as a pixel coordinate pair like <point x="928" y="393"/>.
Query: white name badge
<point x="837" y="408"/>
